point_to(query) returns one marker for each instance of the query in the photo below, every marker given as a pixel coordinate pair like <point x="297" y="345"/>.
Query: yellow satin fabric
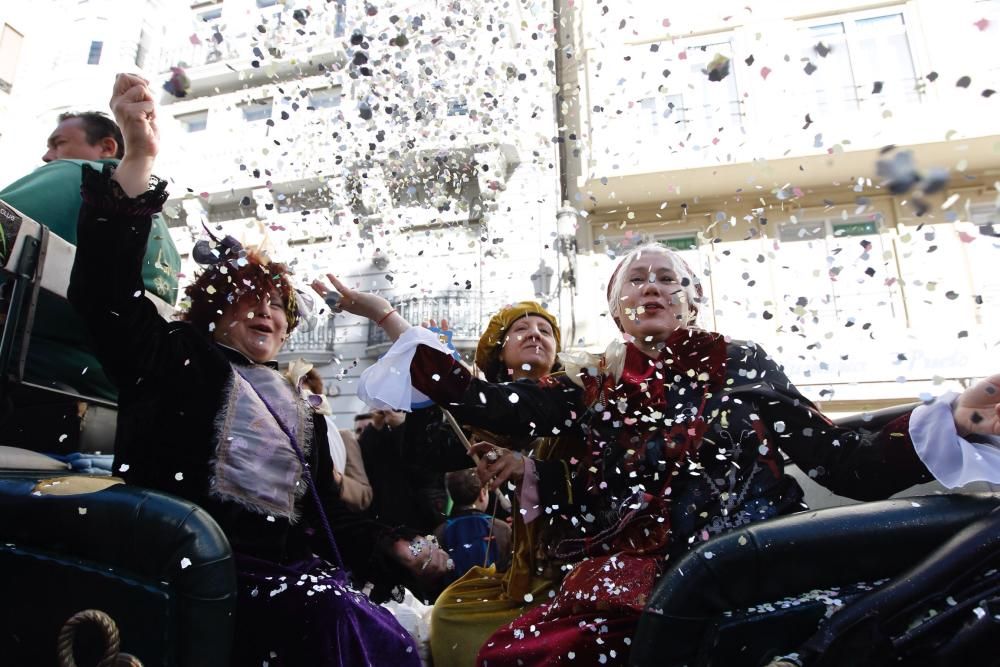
<point x="476" y="605"/>
<point x="472" y="609"/>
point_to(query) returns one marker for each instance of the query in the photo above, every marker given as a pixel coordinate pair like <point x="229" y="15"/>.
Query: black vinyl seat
<point x="697" y="612"/>
<point x="158" y="565"/>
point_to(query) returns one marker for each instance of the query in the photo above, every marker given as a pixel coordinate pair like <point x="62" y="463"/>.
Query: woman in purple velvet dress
<point x="205" y="415"/>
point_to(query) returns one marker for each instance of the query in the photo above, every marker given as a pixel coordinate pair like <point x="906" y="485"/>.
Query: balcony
<point x="464" y="311"/>
<point x="216" y="40"/>
<point x="315" y="346"/>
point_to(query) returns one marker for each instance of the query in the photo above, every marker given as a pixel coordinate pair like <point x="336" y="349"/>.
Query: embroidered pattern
<point x="254" y="463"/>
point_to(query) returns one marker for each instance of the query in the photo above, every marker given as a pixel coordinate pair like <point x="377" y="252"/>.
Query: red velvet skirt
<point x="590" y="621"/>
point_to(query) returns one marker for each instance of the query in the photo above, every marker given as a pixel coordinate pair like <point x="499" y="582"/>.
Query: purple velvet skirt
<point x="306" y="614"/>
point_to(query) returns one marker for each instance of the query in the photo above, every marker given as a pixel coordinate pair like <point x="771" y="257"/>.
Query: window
<point x="263" y="4"/>
<point x="854" y="228"/>
<point x="672" y="101"/>
<point x="256" y="111"/>
<point x="194" y="122"/>
<point x="839" y="265"/>
<point x="10" y="53"/>
<point x="856" y="60"/>
<point x="803" y="231"/>
<point x="442" y="180"/>
<point x="94" y="57"/>
<point x="324" y="98"/>
<point x="679" y="243"/>
<point x="176" y="216"/>
<point x="686" y="244"/>
<point x="980" y="52"/>
<point x="660" y="115"/>
<point x="981" y="255"/>
<point x="711" y="104"/>
<point x="812" y="230"/>
<point x="242" y="207"/>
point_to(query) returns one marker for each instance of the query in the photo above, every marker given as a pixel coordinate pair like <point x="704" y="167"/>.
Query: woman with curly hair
<point x="204" y="414"/>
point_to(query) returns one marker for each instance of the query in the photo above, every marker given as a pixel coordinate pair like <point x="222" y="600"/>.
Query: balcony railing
<point x="315" y="346"/>
<point x="463" y="310"/>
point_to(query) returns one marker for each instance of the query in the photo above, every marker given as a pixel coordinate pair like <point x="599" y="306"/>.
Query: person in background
<point x="348" y="466"/>
<point x="405" y="559"/>
<point x="404" y="491"/>
<point x="470" y="535"/>
<point x="61" y="353"/>
<point x="361" y="421"/>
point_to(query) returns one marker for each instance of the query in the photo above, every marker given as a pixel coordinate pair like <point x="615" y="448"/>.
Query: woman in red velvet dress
<point x="685" y="431"/>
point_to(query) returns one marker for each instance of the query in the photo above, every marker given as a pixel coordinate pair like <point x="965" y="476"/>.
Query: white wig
<point x="689" y="282"/>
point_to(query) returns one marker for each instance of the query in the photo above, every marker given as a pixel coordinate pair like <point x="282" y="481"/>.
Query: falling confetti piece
<point x="718" y="68"/>
<point x="185" y="563"/>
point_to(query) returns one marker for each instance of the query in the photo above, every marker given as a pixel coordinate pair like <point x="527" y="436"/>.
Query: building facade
<point x="407" y="148"/>
<point x="748" y="138"/>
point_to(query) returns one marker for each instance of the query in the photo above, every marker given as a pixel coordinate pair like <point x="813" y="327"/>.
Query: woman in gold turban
<point x="520" y="344"/>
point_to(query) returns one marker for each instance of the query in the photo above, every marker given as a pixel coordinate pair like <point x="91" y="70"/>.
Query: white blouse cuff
<point x="953" y="460"/>
<point x="385" y="385"/>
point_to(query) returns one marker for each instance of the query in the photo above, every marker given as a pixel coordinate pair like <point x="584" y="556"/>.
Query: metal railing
<point x="462" y="309"/>
<point x="319" y="339"/>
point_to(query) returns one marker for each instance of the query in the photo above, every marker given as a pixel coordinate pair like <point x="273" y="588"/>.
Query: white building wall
<point x="736" y="166"/>
<point x="489" y="64"/>
<point x="56" y="74"/>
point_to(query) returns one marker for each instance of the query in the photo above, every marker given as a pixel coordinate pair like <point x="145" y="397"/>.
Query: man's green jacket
<point x="60" y="354"/>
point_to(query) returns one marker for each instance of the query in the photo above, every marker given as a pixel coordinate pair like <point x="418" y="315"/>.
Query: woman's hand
<point x="497" y="465"/>
<point x="135" y="113"/>
<point x="432" y="324"/>
<point x="365" y="304"/>
<point x="977" y="409"/>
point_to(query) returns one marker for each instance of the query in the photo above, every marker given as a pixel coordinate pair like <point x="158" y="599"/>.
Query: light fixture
<point x="541" y="279"/>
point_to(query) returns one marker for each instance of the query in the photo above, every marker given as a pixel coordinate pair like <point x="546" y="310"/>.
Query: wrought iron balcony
<point x="464" y="311"/>
<point x="315" y="346"/>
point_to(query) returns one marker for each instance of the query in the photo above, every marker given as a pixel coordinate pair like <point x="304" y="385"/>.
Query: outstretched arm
<point x="367" y="305"/>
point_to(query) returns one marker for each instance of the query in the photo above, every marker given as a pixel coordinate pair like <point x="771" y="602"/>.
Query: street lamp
<point x="566" y="223"/>
<point x="565" y="245"/>
<point x="541" y="279"/>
